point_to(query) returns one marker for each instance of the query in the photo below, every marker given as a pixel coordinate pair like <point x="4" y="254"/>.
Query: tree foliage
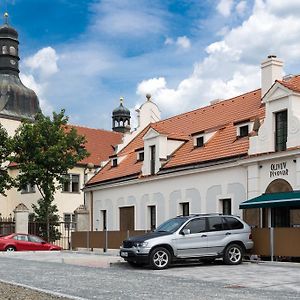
<point x="45" y="150"/>
<point x="5" y="151"/>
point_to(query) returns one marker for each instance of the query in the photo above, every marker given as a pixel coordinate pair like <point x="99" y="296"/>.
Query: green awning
<point x="273" y="200"/>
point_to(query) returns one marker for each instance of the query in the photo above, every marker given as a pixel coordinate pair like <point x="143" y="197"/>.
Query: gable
<point x="277" y="91"/>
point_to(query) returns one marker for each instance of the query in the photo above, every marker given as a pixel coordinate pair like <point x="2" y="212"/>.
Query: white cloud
<point x="30" y="82"/>
<point x="224" y="7"/>
<point x="151" y="86"/>
<point x="232" y="65"/>
<point x="241" y="7"/>
<point x="44" y="62"/>
<point x="127" y="18"/>
<point x="182" y="42"/>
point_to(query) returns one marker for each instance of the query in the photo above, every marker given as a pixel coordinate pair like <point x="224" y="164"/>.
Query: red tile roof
<point x="99" y="143"/>
<point x="219" y="117"/>
<point x="292" y="83"/>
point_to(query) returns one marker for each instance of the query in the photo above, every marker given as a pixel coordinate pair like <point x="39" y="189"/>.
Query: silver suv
<point x="206" y="237"/>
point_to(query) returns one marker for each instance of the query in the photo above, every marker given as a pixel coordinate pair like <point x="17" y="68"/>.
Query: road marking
<point x="43" y="290"/>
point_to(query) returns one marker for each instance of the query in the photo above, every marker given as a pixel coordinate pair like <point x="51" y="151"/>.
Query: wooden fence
<point x="286" y="241"/>
<point x="101" y="239"/>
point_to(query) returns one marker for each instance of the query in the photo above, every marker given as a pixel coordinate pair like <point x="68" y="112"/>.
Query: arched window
<point x="4" y="49"/>
<point x="278" y="186"/>
<point x="12" y="50"/>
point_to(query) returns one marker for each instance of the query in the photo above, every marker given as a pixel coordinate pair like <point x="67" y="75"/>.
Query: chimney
<point x="271" y="70"/>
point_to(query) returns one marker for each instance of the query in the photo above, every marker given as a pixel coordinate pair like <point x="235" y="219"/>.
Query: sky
<point x="83" y="55"/>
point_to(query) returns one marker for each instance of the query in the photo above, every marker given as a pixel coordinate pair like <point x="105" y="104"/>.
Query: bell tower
<point x="9" y="49"/>
<point x="121" y="118"/>
<point x="16" y="100"/>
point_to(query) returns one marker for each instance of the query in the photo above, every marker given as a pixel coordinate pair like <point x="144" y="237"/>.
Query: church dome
<point x="121" y="110"/>
<point x="8" y="31"/>
<point x="16" y="100"/>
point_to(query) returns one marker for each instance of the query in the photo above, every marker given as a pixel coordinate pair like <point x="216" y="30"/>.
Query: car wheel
<point x="233" y="254"/>
<point x="160" y="258"/>
<point x="10" y="249"/>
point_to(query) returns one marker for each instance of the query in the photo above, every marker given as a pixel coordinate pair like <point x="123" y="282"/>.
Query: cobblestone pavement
<point x="82" y="276"/>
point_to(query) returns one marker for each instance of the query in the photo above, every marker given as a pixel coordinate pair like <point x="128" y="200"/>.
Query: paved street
<point x="90" y="276"/>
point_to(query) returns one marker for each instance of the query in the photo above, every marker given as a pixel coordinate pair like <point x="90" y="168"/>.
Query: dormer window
<point x="243" y="130"/>
<point x="114" y="162"/>
<point x="200" y="141"/>
<point x="140" y="156"/>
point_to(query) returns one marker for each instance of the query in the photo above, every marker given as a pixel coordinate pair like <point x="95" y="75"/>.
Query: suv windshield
<point x="171" y="225"/>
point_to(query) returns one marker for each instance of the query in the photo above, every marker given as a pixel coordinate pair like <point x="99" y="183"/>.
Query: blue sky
<point x="82" y="55"/>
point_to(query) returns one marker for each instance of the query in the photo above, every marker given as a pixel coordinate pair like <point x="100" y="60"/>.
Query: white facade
<point x="67" y="202"/>
<point x="203" y="189"/>
<point x="206" y="187"/>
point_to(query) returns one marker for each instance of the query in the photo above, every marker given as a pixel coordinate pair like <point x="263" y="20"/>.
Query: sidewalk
<point x="96" y="259"/>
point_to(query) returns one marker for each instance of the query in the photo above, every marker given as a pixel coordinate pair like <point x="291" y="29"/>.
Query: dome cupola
<point x="121" y="118"/>
<point x="16" y="100"/>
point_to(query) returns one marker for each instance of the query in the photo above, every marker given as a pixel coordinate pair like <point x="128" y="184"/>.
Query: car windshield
<point x="171" y="225"/>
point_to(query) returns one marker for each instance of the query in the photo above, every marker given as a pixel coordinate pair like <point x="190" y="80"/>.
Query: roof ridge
<point x="98" y="129"/>
<point x="207" y="106"/>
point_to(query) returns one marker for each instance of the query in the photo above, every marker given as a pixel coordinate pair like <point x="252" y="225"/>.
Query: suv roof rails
<point x="204" y="214"/>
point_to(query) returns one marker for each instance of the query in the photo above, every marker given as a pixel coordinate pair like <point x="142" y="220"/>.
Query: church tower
<point x="16" y="100"/>
<point x="121" y="118"/>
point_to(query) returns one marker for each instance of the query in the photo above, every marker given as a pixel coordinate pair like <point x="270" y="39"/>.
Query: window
<point x="69" y="220"/>
<point x="21" y="237"/>
<point x="226" y="206"/>
<point x="4" y="50"/>
<point x="215" y="223"/>
<point x="196" y="225"/>
<point x="114" y="162"/>
<point x="233" y="223"/>
<point x="29" y="188"/>
<point x="12" y="50"/>
<point x="280" y="130"/>
<point x="104" y="220"/>
<point x="152" y="217"/>
<point x="71" y="183"/>
<point x="141" y="156"/>
<point x="200" y="141"/>
<point x="152" y="160"/>
<point x="243" y="130"/>
<point x="185" y="209"/>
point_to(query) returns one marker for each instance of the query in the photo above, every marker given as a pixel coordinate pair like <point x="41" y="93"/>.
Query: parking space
<point x="99" y="276"/>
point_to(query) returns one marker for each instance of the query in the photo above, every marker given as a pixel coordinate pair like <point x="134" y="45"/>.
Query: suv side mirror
<point x="186" y="231"/>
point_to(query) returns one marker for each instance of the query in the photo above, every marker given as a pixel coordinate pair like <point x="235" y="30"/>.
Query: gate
<point x="61" y="231"/>
<point x="7" y="225"/>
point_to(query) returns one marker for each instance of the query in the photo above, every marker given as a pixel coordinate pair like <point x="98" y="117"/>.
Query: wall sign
<point x="279" y="169"/>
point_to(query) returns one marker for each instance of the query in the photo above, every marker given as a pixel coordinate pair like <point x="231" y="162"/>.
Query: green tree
<point x="5" y="151"/>
<point x="45" y="150"/>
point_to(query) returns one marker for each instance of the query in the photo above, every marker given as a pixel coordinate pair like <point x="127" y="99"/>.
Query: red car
<point x="25" y="242"/>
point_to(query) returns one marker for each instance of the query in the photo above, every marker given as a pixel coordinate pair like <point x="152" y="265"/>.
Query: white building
<point x="208" y="160"/>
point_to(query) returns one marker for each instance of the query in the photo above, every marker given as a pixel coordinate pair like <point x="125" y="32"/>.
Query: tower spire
<point x="6" y="18"/>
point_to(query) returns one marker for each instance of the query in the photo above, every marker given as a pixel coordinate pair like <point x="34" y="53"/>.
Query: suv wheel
<point x="160" y="258"/>
<point x="233" y="254"/>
